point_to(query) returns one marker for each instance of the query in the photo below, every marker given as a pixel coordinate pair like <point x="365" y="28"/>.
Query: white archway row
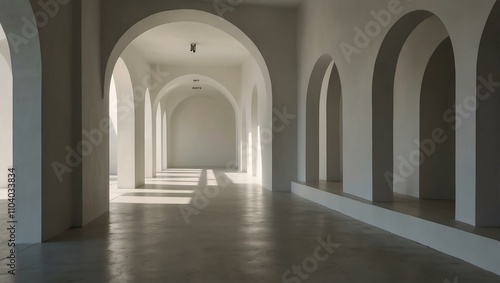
<point x="131" y="77"/>
<point x="256" y="136"/>
<point x="160" y="162"/>
<point x="216" y="22"/>
<point x="167" y="100"/>
<point x="251" y="144"/>
<point x="168" y="88"/>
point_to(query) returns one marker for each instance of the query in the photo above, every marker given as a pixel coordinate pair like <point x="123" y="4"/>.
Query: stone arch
<point x="168" y="88"/>
<point x="126" y="157"/>
<point x="214" y="21"/>
<point x="402" y="39"/>
<point x="331" y="126"/>
<point x="324" y="85"/>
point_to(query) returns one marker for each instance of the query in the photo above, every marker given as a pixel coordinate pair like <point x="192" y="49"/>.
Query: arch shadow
<point x="333" y="160"/>
<point x="383" y="172"/>
<point x="488" y="124"/>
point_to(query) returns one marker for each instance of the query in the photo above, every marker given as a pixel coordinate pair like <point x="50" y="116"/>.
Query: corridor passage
<point x="213" y="226"/>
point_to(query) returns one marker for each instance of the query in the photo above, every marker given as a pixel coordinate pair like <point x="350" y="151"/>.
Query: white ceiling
<point x="170" y="45"/>
<point x="186" y="85"/>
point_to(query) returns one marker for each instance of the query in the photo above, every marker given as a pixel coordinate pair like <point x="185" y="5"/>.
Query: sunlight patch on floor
<point x="242" y="178"/>
<point x="3" y="193"/>
<point x="152" y="200"/>
<point x="167" y="183"/>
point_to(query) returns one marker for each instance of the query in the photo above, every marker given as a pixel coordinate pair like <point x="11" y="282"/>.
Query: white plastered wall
<point x="202" y="128"/>
<point x="464" y="21"/>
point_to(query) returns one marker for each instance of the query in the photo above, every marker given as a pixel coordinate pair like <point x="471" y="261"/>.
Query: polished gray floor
<point x="241" y="233"/>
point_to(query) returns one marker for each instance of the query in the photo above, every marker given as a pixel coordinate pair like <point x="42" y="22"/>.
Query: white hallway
<point x="178" y="140"/>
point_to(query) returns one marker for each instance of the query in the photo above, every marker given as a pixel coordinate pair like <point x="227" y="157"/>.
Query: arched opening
<point x="158" y="136"/>
<point x="413" y="90"/>
<point x="148" y="137"/>
<point x="244" y="141"/>
<point x="330" y="131"/>
<point x="262" y="77"/>
<point x="26" y="109"/>
<point x="113" y="132"/>
<point x="122" y="97"/>
<point x="487" y="204"/>
<point x="437" y="135"/>
<point x="312" y="118"/>
<point x="175" y="91"/>
<point x="254" y="134"/>
<point x="324" y="123"/>
<point x="165" y="142"/>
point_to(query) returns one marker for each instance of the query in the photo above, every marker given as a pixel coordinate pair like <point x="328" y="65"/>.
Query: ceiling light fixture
<point x="193" y="47"/>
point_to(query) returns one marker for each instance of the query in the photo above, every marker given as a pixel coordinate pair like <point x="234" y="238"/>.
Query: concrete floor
<point x="242" y="233"/>
<point x="436" y="211"/>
